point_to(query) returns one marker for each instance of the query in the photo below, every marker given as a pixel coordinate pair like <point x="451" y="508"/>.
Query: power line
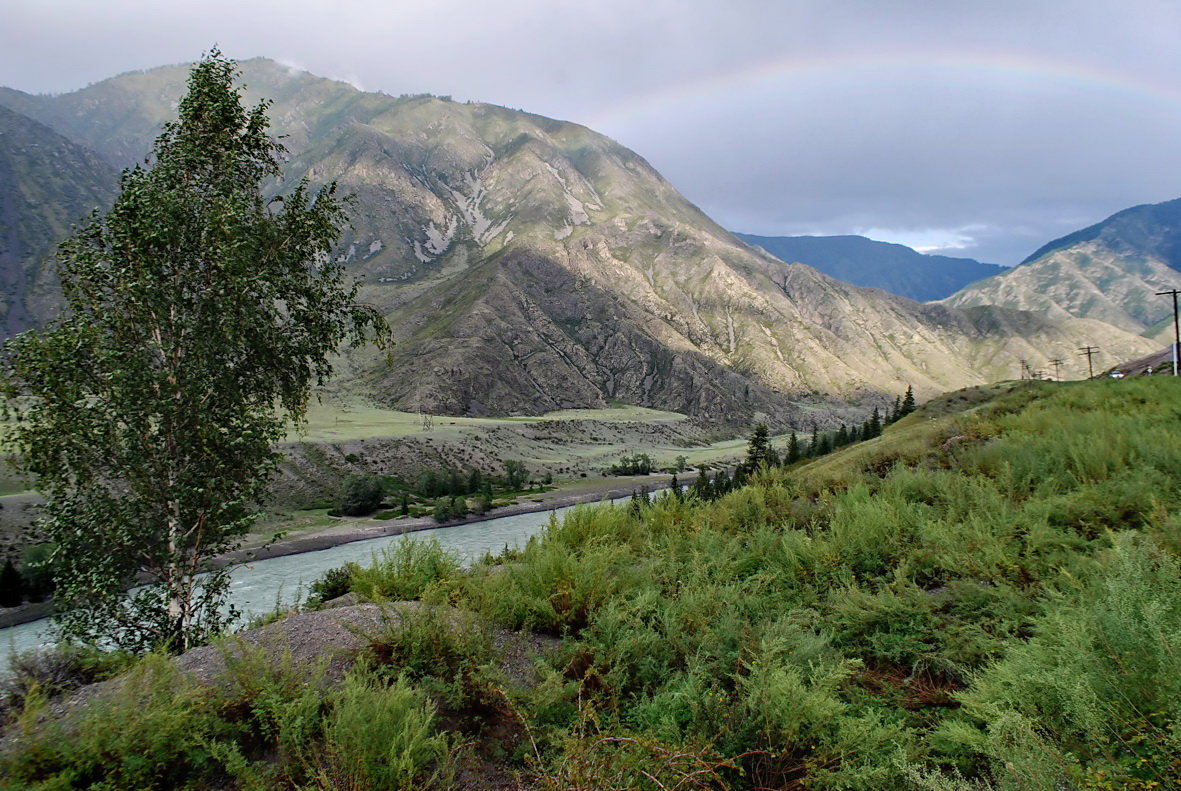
<point x="1057" y="368"/>
<point x="1088" y="352"/>
<point x="1176" y="327"/>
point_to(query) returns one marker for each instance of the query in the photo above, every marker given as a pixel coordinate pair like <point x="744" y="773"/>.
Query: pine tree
<point x="701" y="486"/>
<point x="756" y="448"/>
<point x="793" y="449"/>
<point x="875" y="423"/>
<point x="908" y="404"/>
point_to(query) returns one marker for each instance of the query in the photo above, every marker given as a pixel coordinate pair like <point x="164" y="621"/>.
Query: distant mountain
<point x="1109" y="271"/>
<point x="47" y="184"/>
<point x="528" y="264"/>
<point x="864" y="262"/>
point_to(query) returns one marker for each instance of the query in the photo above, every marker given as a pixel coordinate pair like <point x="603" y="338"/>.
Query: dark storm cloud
<point x="984" y="127"/>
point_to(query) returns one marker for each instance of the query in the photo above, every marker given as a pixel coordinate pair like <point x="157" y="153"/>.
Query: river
<point x="256" y="587"/>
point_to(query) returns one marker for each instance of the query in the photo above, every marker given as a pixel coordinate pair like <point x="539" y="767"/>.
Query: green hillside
<point x="986" y="597"/>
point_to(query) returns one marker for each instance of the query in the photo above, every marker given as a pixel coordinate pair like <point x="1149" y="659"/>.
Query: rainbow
<point x="1004" y="69"/>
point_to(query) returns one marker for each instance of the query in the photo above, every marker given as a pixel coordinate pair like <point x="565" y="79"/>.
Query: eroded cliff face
<point x="528" y="264"/>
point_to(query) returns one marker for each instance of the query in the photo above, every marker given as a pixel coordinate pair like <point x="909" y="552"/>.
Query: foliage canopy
<point x="198" y="318"/>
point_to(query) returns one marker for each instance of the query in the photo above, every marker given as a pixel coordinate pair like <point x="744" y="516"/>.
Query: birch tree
<point x="198" y="318"/>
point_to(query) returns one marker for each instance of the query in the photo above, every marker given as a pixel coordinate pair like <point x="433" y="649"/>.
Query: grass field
<point x="336" y="420"/>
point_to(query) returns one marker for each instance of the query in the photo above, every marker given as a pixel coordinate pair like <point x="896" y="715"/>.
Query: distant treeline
<point x="445" y="487"/>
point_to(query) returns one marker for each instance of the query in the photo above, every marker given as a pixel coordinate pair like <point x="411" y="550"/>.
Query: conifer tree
<point x="756" y="448"/>
<point x="701" y="486"/>
<point x="793" y="449"/>
<point x="908" y="404"/>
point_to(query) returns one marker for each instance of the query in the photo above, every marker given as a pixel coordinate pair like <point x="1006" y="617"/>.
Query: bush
<point x="55" y="670"/>
<point x="332" y="584"/>
<point x="12" y="585"/>
<point x="405" y="570"/>
<point x="37" y="571"/>
<point x="153" y="731"/>
<point x="1091" y="700"/>
<point x="381" y="736"/>
<point x="359" y="495"/>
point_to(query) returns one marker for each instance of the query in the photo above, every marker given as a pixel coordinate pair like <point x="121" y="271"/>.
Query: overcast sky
<point x="981" y="129"/>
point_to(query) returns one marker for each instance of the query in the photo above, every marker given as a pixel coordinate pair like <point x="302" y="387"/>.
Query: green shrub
<point x="381" y="736"/>
<point x="405" y="570"/>
<point x="1093" y="698"/>
<point x="54" y="670"/>
<point x="360" y="494"/>
<point x="332" y="584"/>
<point x="153" y="731"/>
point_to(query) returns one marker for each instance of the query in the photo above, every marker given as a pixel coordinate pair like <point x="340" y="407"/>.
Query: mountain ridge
<point x="47" y="183"/>
<point x="528" y="264"/>
<point x="895" y="268"/>
<point x="1110" y="271"/>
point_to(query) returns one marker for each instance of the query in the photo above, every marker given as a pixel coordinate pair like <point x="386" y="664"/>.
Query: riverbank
<point x="349" y="530"/>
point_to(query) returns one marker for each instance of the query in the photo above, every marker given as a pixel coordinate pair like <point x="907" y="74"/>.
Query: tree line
<point x="760" y="453"/>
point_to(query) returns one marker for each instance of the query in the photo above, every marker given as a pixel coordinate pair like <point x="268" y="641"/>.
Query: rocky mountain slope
<point x="46" y="184"/>
<point x="1109" y="271"/>
<point x="529" y="264"/>
<point x="864" y="262"/>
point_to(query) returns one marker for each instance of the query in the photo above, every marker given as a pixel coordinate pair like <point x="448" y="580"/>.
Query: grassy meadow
<point x="988" y="596"/>
<point x="334" y="420"/>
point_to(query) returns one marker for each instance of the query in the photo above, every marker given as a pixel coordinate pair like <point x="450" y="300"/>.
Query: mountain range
<point x="895" y="268"/>
<point x="528" y="264"/>
<point x="1110" y="271"/>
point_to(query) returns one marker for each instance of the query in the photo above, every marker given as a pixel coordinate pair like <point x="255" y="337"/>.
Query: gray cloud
<point x="995" y="126"/>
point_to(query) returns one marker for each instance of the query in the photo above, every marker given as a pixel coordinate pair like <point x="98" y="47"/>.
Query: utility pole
<point x="1057" y="368"/>
<point x="1176" y="327"/>
<point x="1088" y="352"/>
